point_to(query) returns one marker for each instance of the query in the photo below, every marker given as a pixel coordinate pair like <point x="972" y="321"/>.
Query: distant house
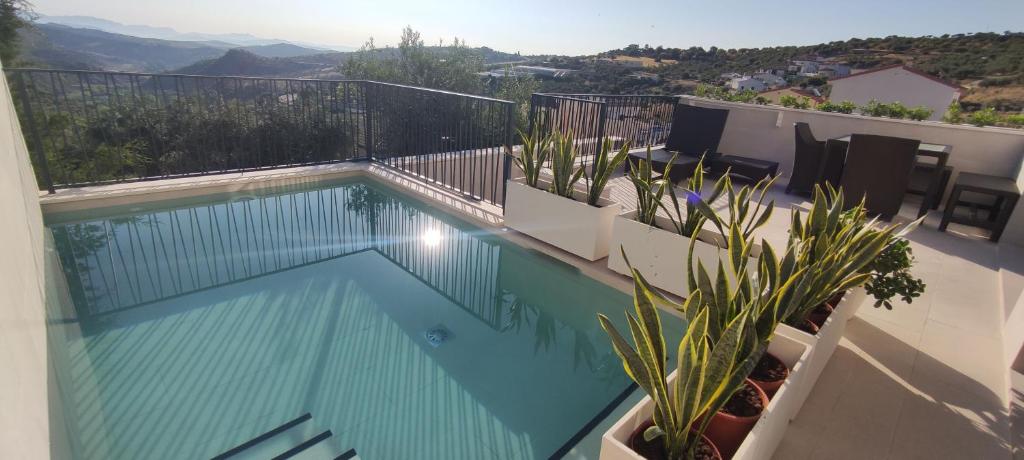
<point x="730" y="75"/>
<point x="897" y="83"/>
<point x="639" y="61"/>
<point x="746" y="83"/>
<point x="775" y="96"/>
<point x="770" y="80"/>
<point x="805" y="67"/>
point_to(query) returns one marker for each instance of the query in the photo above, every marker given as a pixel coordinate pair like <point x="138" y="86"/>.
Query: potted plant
<point x="721" y="303"/>
<point x="890" y="275"/>
<point x="558" y="211"/>
<point x="707" y="374"/>
<point x="833" y="248"/>
<point x="659" y="243"/>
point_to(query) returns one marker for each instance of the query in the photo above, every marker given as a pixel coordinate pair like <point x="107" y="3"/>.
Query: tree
<point x="14" y="14"/>
<point x="453" y="67"/>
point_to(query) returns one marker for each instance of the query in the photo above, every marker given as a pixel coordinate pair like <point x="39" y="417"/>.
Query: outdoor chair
<point x="695" y="133"/>
<point x="878" y="169"/>
<point x="808" y="159"/>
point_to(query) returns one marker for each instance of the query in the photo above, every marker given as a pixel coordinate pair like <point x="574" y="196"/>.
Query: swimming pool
<point x="200" y="324"/>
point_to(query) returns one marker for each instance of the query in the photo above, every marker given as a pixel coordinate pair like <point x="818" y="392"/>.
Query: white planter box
<point x="852" y="301"/>
<point x="762" y="440"/>
<point x="571" y="225"/>
<point x="662" y="255"/>
<point x="822" y="344"/>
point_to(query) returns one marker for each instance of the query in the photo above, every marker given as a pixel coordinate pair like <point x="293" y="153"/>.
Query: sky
<point x="569" y="27"/>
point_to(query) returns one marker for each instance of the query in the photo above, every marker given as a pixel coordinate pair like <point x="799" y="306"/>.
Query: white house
<point x="834" y="70"/>
<point x="896" y="84"/>
<point x="770" y="80"/>
<point x="747" y="83"/>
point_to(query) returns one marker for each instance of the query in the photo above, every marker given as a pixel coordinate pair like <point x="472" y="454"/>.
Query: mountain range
<point x="167" y="33"/>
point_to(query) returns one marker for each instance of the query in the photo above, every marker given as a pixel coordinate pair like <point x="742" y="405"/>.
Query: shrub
<point x="842" y="107"/>
<point x="954" y="114"/>
<point x="896" y="110"/>
<point x="875" y="109"/>
<point x="795" y="102"/>
<point x="919" y="113"/>
<point x="1015" y="119"/>
<point x="983" y="117"/>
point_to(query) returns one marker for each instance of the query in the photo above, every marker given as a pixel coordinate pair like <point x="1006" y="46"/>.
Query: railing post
<point x="35" y="142"/>
<point x="533" y="111"/>
<point x="506" y="169"/>
<point x="602" y="112"/>
<point x="368" y="118"/>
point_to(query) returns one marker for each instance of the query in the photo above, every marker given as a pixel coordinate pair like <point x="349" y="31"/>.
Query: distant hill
<point x="50" y="45"/>
<point x="281" y="50"/>
<point x="238" y="62"/>
<point x="59" y="46"/>
<point x="167" y="33"/>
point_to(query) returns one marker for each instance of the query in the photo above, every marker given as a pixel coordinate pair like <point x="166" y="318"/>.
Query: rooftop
<point x="935" y="378"/>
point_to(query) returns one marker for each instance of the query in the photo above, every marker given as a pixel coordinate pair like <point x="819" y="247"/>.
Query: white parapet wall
<point x="24" y="423"/>
<point x="766" y="132"/>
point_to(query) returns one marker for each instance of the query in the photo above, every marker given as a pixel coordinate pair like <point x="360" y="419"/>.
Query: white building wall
<point x="895" y="85"/>
<point x="24" y="422"/>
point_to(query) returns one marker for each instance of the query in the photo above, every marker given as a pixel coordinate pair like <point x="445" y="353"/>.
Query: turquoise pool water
<point x="198" y="325"/>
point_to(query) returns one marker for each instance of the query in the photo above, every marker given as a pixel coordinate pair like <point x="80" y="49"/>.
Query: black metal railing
<point x="95" y="127"/>
<point x="451" y="139"/>
<point x="639" y="120"/>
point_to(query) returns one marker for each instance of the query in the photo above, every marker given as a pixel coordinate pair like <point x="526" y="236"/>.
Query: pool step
<point x="298" y="439"/>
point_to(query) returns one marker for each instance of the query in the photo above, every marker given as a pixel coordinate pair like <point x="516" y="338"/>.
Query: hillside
<point x="237" y="62"/>
<point x="51" y="45"/>
<point x="60" y="46"/>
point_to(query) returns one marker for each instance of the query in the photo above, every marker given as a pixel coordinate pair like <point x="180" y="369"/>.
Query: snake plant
<point x="564" y="170"/>
<point x="536" y="150"/>
<point x="708" y="370"/>
<point x="835" y="248"/>
<point x="649" y="189"/>
<point x="745" y="207"/>
<point x="603" y="169"/>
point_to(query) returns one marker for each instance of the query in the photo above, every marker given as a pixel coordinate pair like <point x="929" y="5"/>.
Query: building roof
<point x="908" y="69"/>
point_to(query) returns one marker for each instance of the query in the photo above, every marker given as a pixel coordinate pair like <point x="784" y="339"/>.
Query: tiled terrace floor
<point x="924" y="380"/>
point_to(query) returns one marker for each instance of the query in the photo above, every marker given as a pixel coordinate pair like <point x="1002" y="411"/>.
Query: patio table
<point x="831" y="168"/>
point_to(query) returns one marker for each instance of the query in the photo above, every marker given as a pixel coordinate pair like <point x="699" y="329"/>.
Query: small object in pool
<point x="437" y="335"/>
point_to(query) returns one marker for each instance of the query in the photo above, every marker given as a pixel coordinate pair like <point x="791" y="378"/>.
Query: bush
<point x="842" y="107"/>
<point x="795" y="102"/>
<point x="1015" y="119"/>
<point x="919" y="113"/>
<point x="954" y="114"/>
<point x="983" y="117"/>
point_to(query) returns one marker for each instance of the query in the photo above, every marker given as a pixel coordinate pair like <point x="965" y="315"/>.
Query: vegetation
<point x="13" y="14"/>
<point x="416" y="65"/>
<point x="536" y="151"/>
<point x="841" y="107"/>
<point x="890" y="275"/>
<point x="794" y="102"/>
<point x="983" y="117"/>
<point x="649" y="189"/>
<point x="746" y="209"/>
<point x="708" y="370"/>
<point x="603" y="168"/>
<point x="564" y="169"/>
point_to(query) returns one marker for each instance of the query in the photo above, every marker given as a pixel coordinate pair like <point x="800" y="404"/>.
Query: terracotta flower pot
<point x="655" y="450"/>
<point x="727" y="431"/>
<point x="820" y="314"/>
<point x="770" y="374"/>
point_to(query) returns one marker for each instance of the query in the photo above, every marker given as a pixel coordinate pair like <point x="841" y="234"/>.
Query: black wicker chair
<point x="878" y="169"/>
<point x="696" y="132"/>
<point x="807" y="160"/>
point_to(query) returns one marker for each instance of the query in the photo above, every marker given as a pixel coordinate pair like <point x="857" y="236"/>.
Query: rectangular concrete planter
<point x="822" y="344"/>
<point x="662" y="255"/>
<point x="572" y="225"/>
<point x="762" y="440"/>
